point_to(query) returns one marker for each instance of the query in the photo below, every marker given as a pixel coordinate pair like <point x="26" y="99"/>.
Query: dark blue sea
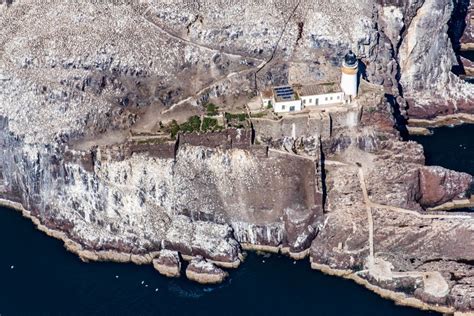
<point x="39" y="277"/>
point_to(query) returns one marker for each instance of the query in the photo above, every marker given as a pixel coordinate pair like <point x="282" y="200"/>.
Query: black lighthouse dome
<point x="350" y="59"/>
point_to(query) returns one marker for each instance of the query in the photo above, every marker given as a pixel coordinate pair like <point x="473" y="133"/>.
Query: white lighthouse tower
<point x="349" y="75"/>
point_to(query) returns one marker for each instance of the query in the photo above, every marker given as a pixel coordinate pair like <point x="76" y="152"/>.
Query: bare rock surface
<point x="85" y="145"/>
<point x="439" y="185"/>
<point x="202" y="271"/>
<point x="168" y="263"/>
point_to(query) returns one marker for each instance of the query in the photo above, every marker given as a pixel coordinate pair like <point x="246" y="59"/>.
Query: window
<point x="292" y="108"/>
<point x="326" y="98"/>
<point x="331" y="98"/>
<point x="310" y="101"/>
<point x="304" y="101"/>
<point x="317" y="101"/>
<point x="338" y="97"/>
<point x="283" y="107"/>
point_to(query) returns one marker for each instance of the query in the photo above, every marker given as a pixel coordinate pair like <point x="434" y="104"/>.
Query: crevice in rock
<point x="300" y="32"/>
<point x="323" y="175"/>
<point x="197" y="18"/>
<point x="456" y="28"/>
<point x="7" y="2"/>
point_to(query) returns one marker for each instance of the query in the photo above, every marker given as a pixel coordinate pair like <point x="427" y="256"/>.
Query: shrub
<point x="211" y="109"/>
<point x="193" y="124"/>
<point x="209" y="124"/>
<point x="173" y="128"/>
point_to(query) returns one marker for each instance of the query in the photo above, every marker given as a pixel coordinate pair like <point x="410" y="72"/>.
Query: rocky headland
<point x="96" y="147"/>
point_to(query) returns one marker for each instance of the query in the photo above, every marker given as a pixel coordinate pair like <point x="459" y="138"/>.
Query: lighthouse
<point x="349" y="75"/>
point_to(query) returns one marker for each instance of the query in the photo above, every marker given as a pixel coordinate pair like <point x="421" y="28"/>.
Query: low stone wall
<point x="226" y="139"/>
<point x="296" y="126"/>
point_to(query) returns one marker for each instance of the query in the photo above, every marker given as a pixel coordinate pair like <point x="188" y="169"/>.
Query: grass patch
<point x="212" y="109"/>
<point x="209" y="124"/>
<point x="241" y="117"/>
<point x="193" y="124"/>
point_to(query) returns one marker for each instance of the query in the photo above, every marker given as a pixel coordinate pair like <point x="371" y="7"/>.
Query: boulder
<point x="439" y="185"/>
<point x="168" y="263"/>
<point x="202" y="271"/>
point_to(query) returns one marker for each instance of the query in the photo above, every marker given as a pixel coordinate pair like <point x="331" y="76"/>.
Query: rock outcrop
<point x="168" y="263"/>
<point x="86" y="146"/>
<point x="204" y="272"/>
<point x="439" y="185"/>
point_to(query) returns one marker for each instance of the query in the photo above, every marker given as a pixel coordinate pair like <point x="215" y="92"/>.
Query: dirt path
<point x="370" y="219"/>
<point x="204" y="89"/>
<point x="402" y="210"/>
<point x="191" y="43"/>
<point x="265" y="63"/>
<point x="433" y="282"/>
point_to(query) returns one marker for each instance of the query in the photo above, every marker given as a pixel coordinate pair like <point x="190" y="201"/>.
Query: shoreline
<point x="420" y="126"/>
<point x="399" y="298"/>
<point x="112" y="256"/>
<point x="104" y="255"/>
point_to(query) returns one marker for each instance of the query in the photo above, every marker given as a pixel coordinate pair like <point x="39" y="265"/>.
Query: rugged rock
<point x="467" y="38"/>
<point x="168" y="263"/>
<point x="204" y="272"/>
<point x="439" y="185"/>
<point x="84" y="144"/>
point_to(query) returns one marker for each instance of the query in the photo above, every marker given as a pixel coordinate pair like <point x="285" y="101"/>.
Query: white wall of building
<point x="287" y="106"/>
<point x="349" y="83"/>
<point x="323" y="99"/>
<point x="265" y="101"/>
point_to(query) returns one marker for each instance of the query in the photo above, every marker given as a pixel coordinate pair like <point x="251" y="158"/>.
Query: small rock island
<point x="184" y="135"/>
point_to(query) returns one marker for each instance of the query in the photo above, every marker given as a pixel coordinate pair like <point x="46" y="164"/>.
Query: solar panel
<point x="283" y="89"/>
<point x="285" y="93"/>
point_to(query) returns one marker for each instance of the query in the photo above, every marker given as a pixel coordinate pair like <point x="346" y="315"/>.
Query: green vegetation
<point x="193" y="124"/>
<point x="173" y="128"/>
<point x="211" y="109"/>
<point x="209" y="124"/>
<point x="269" y="105"/>
<point x="241" y="117"/>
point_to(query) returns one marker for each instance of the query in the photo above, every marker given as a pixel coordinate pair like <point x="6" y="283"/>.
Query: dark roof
<point x="350" y="59"/>
<point x="284" y="93"/>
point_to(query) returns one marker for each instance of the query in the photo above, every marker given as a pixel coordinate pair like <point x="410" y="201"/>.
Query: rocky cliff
<point x="82" y="154"/>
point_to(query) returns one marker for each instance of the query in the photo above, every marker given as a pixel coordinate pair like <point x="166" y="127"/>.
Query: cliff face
<point x="426" y="58"/>
<point x="199" y="203"/>
<point x="77" y="113"/>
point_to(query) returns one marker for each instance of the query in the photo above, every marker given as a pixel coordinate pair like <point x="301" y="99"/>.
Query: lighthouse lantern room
<point x="350" y="68"/>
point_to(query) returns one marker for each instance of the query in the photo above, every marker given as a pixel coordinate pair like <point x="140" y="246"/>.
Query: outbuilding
<point x="285" y="100"/>
<point x="328" y="93"/>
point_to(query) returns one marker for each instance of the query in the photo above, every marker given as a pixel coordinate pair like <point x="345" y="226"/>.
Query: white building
<point x="321" y="94"/>
<point x="349" y="77"/>
<point x="267" y="97"/>
<point x="286" y="100"/>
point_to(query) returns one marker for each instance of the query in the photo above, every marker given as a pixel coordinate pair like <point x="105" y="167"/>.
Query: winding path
<point x="191" y="43"/>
